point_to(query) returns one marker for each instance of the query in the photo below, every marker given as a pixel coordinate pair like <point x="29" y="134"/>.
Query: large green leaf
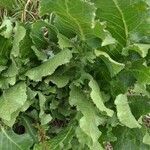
<point x="12" y="100"/>
<point x="97" y="98"/>
<point x="48" y="67"/>
<point x="122" y="16"/>
<point x="10" y="140"/>
<point x="90" y="120"/>
<point x="124" y="113"/>
<point x="130" y="139"/>
<point x="74" y="16"/>
<point x="139" y="105"/>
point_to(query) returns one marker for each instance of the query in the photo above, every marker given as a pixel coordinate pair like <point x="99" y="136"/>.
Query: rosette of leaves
<point x="76" y="78"/>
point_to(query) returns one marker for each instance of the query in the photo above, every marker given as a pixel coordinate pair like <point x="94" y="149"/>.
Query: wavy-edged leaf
<point x="113" y="66"/>
<point x="60" y="80"/>
<point x="74" y="16"/>
<point x="20" y="33"/>
<point x="45" y="118"/>
<point x="48" y="67"/>
<point x="140" y="89"/>
<point x="142" y="49"/>
<point x="122" y="17"/>
<point x="12" y="70"/>
<point x="63" y="41"/>
<point x="90" y="120"/>
<point x="2" y="68"/>
<point x="10" y="140"/>
<point x="98" y="99"/>
<point x="124" y="113"/>
<point x="12" y="100"/>
<point x="40" y="55"/>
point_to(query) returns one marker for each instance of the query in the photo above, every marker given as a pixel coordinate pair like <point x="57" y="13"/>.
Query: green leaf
<point x="12" y="71"/>
<point x="63" y="41"/>
<point x="77" y="19"/>
<point x="9" y="28"/>
<point x="142" y="49"/>
<point x="4" y="50"/>
<point x="60" y="81"/>
<point x="2" y="68"/>
<point x="10" y="140"/>
<point x="12" y="100"/>
<point x="25" y="46"/>
<point x="40" y="55"/>
<point x="122" y="16"/>
<point x="113" y="66"/>
<point x="5" y="82"/>
<point x="90" y="121"/>
<point x="146" y="139"/>
<point x="48" y="67"/>
<point x="30" y="128"/>
<point x="37" y="34"/>
<point x="20" y="33"/>
<point x="130" y="139"/>
<point x="45" y="118"/>
<point x="124" y="113"/>
<point x="97" y="98"/>
<point x="141" y="73"/>
<point x="141" y="89"/>
<point x="139" y="105"/>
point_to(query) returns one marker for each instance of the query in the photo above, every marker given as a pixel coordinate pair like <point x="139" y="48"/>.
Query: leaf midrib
<point x="7" y="136"/>
<point x="123" y="19"/>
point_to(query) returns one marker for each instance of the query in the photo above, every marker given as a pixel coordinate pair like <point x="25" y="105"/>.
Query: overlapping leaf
<point x="10" y="140"/>
<point x="12" y="100"/>
<point x="48" y="67"/>
<point x="124" y="113"/>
